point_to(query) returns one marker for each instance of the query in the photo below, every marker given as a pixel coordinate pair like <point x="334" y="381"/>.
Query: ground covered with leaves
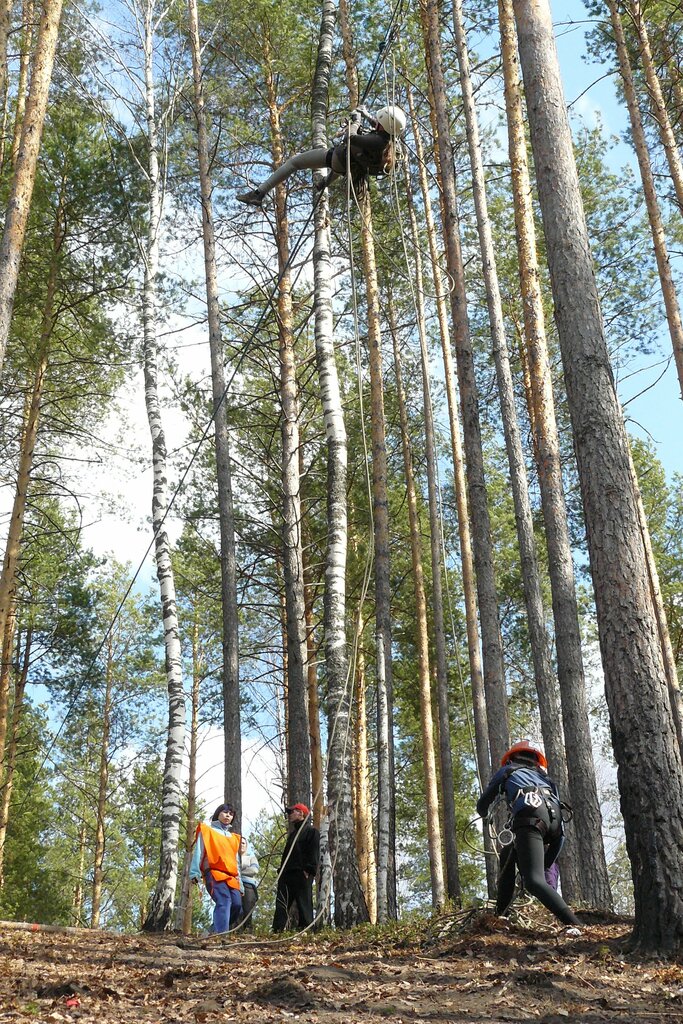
<point x="466" y="967"/>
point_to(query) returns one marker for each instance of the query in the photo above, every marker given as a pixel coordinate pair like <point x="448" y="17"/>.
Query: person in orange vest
<point x="215" y="859"/>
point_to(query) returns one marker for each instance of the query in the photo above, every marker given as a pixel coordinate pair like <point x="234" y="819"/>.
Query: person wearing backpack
<point x="536" y="824"/>
<point x="367" y="151"/>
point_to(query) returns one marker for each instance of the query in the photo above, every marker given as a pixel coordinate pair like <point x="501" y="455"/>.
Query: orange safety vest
<point x="220" y="854"/>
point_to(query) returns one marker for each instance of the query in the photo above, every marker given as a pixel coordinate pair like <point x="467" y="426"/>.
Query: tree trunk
<point x="298" y="745"/>
<point x="232" y="784"/>
<point x="103" y="782"/>
<point x="584" y="874"/>
<point x="673" y="156"/>
<point x="365" y="846"/>
<point x="11" y="752"/>
<point x="349" y="899"/>
<point x="185" y="906"/>
<point x="673" y="312"/>
<point x="635" y="681"/>
<point x="494" y="671"/>
<point x="21" y="188"/>
<point x="386" y="809"/>
<point x="453" y="889"/>
<point x="422" y="644"/>
<point x="27" y="26"/>
<point x="160" y="911"/>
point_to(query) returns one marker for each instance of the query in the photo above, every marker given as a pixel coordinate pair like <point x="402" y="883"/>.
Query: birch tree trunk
<point x="184" y="918"/>
<point x="673" y="312"/>
<point x="386" y="808"/>
<point x="21" y="188"/>
<point x="492" y="647"/>
<point x="232" y="738"/>
<point x="422" y="644"/>
<point x="584" y="877"/>
<point x="103" y="782"/>
<point x="643" y="735"/>
<point x="298" y="745"/>
<point x="673" y="156"/>
<point x="160" y="911"/>
<point x="349" y="899"/>
<point x="436" y="544"/>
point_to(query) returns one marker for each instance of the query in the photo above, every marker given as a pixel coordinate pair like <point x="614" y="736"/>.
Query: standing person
<point x="249" y="868"/>
<point x="372" y="152"/>
<point x="215" y="860"/>
<point x="534" y="803"/>
<point x="298" y="868"/>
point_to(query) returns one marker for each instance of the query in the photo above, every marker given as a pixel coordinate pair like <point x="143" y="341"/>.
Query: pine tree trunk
<point x="11" y="751"/>
<point x="492" y="646"/>
<point x="27" y="26"/>
<point x="103" y="782"/>
<point x="673" y="156"/>
<point x="422" y="644"/>
<point x="386" y="809"/>
<point x="298" y="744"/>
<point x="159" y="916"/>
<point x="232" y="784"/>
<point x="184" y="914"/>
<point x="453" y="889"/>
<point x="584" y="873"/>
<point x="16" y="527"/>
<point x="643" y="735"/>
<point x="365" y="845"/>
<point x="673" y="312"/>
<point x="21" y="188"/>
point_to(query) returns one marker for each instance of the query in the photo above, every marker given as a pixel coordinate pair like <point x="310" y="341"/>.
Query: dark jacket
<point x="372" y="152"/>
<point x="520" y="784"/>
<point x="304" y="843"/>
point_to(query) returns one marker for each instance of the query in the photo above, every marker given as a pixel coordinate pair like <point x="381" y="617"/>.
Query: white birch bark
<point x="159" y="916"/>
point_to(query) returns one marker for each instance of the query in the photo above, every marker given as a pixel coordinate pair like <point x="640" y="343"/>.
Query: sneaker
<point x="253" y="198"/>
<point x="573" y="930"/>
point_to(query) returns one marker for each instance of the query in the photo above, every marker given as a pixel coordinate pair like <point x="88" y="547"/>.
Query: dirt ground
<point x="467" y="968"/>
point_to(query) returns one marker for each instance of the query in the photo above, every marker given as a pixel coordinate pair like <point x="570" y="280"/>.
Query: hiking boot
<point x="253" y="198"/>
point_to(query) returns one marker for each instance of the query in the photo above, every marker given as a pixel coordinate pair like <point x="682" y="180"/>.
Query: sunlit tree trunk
<point x="26" y="46"/>
<point x="673" y="156"/>
<point x="21" y="187"/>
<point x="185" y="903"/>
<point x="12" y="746"/>
<point x="641" y="723"/>
<point x="160" y="912"/>
<point x="671" y="304"/>
<point x="365" y="845"/>
<point x="298" y="745"/>
<point x="584" y="873"/>
<point x="492" y="647"/>
<point x="386" y="810"/>
<point x="422" y="645"/>
<point x="232" y="784"/>
<point x="436" y="545"/>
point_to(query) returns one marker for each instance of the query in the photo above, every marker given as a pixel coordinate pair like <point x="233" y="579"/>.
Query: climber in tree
<point x="370" y="151"/>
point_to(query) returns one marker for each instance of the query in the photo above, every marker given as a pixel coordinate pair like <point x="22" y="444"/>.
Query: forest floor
<point x="468" y="967"/>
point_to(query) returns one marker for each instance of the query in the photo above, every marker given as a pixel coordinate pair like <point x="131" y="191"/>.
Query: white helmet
<point x="392" y="119"/>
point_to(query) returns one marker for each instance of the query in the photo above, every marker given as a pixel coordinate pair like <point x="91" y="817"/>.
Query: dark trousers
<point x="249" y="901"/>
<point x="529" y="854"/>
<point x="293" y="888"/>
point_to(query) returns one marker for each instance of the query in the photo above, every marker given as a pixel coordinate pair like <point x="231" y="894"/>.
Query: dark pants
<point x="249" y="901"/>
<point x="530" y="854"/>
<point x="293" y="888"/>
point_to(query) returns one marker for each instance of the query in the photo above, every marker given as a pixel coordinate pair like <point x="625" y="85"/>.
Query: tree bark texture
<point x="584" y="872"/>
<point x="650" y="772"/>
<point x="102" y="786"/>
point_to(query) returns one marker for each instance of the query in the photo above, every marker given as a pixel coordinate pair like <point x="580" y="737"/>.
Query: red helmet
<point x="524" y="747"/>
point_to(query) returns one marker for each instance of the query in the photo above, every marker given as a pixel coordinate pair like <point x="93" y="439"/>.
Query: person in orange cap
<point x="536" y="822"/>
<point x="298" y="868"/>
